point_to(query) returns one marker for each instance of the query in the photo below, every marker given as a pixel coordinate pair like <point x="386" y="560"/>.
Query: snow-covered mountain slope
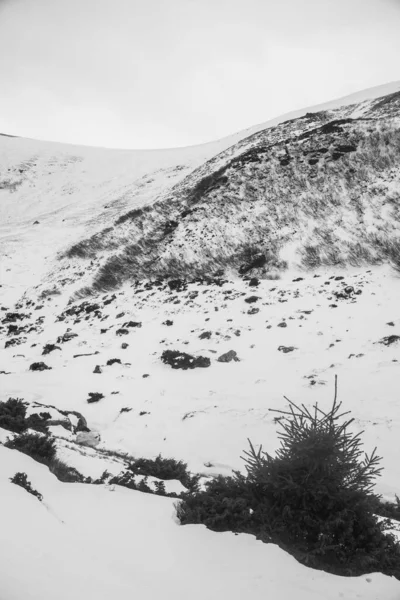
<point x="194" y="209"/>
<point x="189" y="246"/>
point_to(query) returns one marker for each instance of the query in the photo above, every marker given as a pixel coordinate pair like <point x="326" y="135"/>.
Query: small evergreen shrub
<point x="64" y="472"/>
<point x="314" y="498"/>
<point x="21" y="479"/>
<point x="13" y="417"/>
<point x="39" y="447"/>
<point x="163" y="468"/>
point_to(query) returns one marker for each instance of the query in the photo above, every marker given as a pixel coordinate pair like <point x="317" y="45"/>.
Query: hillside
<point x="272" y="259"/>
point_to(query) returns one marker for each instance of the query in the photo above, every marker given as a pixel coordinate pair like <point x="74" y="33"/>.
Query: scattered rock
<point x="182" y="360"/>
<point x="68" y="335"/>
<point x="254" y="282"/>
<point x="112" y="361"/>
<point x="286" y="349"/>
<point x="122" y="331"/>
<point x="97" y="369"/>
<point x="253" y="311"/>
<point x="349" y="290"/>
<point x="389" y="339"/>
<point x="228" y="357"/>
<point x="94" y="397"/>
<point x="168" y="322"/>
<point x="15" y="341"/>
<point x="177" y="285"/>
<point x="251" y="299"/>
<point x="124" y="345"/>
<point x="50" y="348"/>
<point x="283" y="324"/>
<point x="39" y="366"/>
<point x="205" y="335"/>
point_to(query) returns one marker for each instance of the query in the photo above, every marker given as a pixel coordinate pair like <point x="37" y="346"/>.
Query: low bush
<point x="40" y="447"/>
<point x="127" y="479"/>
<point x="314" y="498"/>
<point x="64" y="472"/>
<point x="21" y="479"/>
<point x="164" y="468"/>
<point x="389" y="510"/>
<point x="13" y="417"/>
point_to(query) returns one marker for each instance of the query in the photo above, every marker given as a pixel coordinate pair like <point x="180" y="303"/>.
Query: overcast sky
<point x="166" y="73"/>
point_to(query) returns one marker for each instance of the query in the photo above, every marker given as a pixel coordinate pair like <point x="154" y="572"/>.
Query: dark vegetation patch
<point x="164" y="468"/>
<point x="182" y="360"/>
<point x="21" y="479"/>
<point x="84" y="249"/>
<point x="39" y="447"/>
<point x="388" y="340"/>
<point x="314" y="498"/>
<point x="64" y="472"/>
<point x="13" y="417"/>
<point x="283" y="199"/>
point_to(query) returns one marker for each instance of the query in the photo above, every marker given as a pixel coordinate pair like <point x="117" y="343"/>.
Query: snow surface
<point x="88" y="542"/>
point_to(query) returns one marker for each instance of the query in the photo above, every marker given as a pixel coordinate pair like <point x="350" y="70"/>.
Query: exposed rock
<point x="286" y="349"/>
<point x="252" y="299"/>
<point x="205" y="335"/>
<point x="94" y="397"/>
<point x="88" y="438"/>
<point x="50" y="348"/>
<point x="68" y="335"/>
<point x="254" y="282"/>
<point x="389" y="339"/>
<point x="112" y="361"/>
<point x="182" y="360"/>
<point x="39" y="366"/>
<point x="15" y="342"/>
<point x="228" y="357"/>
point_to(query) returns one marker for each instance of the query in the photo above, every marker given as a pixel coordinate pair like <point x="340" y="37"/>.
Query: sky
<point x="169" y="73"/>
